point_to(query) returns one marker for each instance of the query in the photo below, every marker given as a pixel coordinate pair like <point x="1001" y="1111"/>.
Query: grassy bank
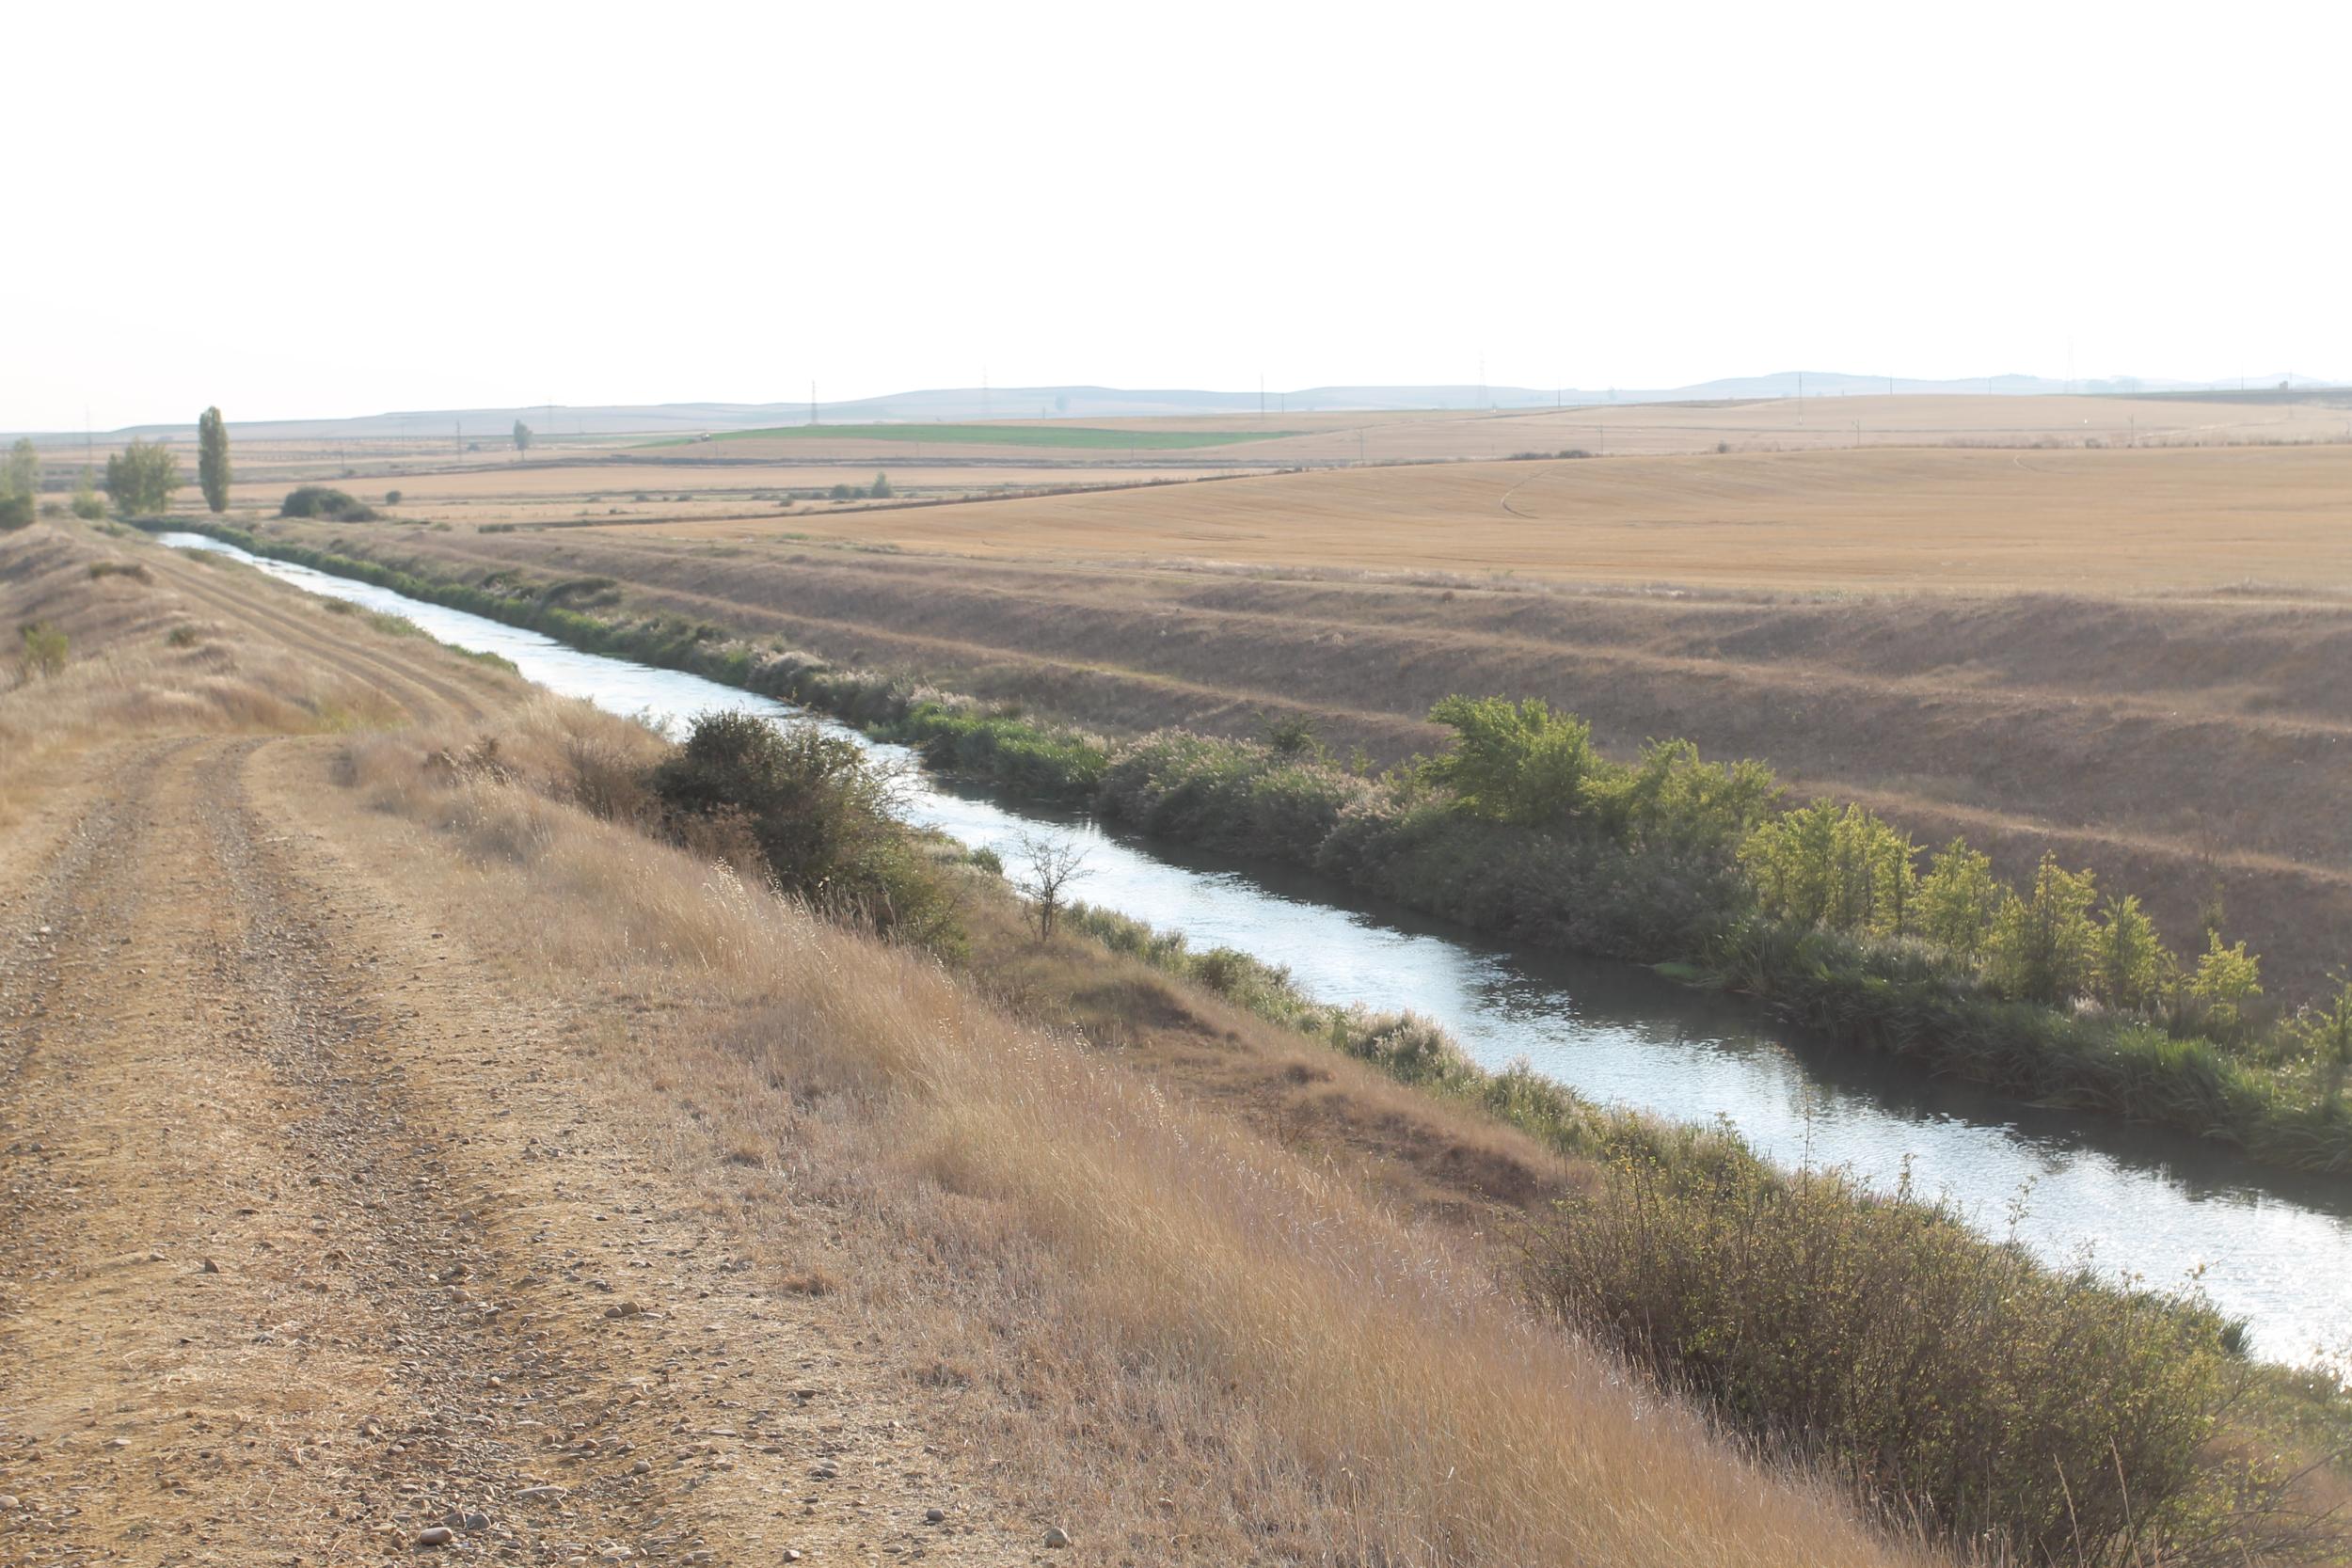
<point x="1821" y="915"/>
<point x="1941" y="1374"/>
<point x="1949" y="1381"/>
<point x="1952" y="1384"/>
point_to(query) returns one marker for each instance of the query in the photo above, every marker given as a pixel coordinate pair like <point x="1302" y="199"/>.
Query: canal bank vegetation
<point x="1949" y="1378"/>
<point x="1188" y="1340"/>
<point x="1954" y="1387"/>
<point x="2055" y="993"/>
<point x="1198" y="1333"/>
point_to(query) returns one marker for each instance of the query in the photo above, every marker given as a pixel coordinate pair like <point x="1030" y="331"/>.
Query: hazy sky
<point x="324" y="210"/>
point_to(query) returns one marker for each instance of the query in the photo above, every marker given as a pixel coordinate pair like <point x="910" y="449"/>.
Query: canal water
<point x="2272" y="1247"/>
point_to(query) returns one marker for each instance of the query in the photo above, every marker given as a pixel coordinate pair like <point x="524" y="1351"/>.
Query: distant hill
<point x="963" y="405"/>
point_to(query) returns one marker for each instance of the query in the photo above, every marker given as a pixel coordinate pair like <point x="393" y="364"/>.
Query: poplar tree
<point x="211" y="458"/>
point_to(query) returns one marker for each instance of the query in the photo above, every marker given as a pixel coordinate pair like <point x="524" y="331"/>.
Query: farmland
<point x="1282" y="439"/>
<point x="1905" y="520"/>
<point x="1141" y="438"/>
<point x="2131" y="657"/>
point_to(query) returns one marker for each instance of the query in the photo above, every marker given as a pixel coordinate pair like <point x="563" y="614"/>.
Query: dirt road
<point x="315" y="1241"/>
<point x="400" y="1162"/>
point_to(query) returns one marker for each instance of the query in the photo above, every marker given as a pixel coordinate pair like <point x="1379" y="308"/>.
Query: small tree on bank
<point x="522" y="437"/>
<point x="142" y="477"/>
<point x="86" y="503"/>
<point x="211" y="458"/>
<point x="1049" y="864"/>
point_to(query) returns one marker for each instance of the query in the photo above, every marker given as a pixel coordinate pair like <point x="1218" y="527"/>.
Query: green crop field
<point x="998" y="435"/>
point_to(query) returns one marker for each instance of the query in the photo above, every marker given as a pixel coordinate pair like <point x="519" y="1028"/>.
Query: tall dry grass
<point x="1186" y="1336"/>
<point x="139" y="659"/>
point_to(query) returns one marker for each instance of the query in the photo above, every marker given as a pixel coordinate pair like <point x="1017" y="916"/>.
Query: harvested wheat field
<point x="400" y="1159"/>
<point x="2136" y="659"/>
<point x="1908" y="520"/>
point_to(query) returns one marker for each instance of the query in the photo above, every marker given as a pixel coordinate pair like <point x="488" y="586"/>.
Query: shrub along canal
<point x="2271" y="1246"/>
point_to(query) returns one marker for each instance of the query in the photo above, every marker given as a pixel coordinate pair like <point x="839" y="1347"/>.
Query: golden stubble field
<point x="1979" y="520"/>
<point x="569" y="489"/>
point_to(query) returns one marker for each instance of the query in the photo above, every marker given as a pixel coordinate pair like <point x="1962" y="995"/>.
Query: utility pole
<point x="811" y="402"/>
<point x="1262" y="397"/>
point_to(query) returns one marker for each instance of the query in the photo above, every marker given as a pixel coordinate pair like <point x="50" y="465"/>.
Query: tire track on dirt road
<point x="271" y="1315"/>
<point x="422" y="694"/>
<point x="311" y="1244"/>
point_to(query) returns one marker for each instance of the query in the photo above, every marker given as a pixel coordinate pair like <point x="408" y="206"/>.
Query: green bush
<point x="2130" y="965"/>
<point x="142" y="477"/>
<point x="1037" y="764"/>
<point x="325" y="502"/>
<point x="2043" y="946"/>
<point x="16" y="512"/>
<point x="1673" y="800"/>
<point x="1513" y="762"/>
<point x="2225" y="980"/>
<point x="40" y="649"/>
<point x="2324" y="1032"/>
<point x="1958" y="901"/>
<point x="86" y="503"/>
<point x="1840" y="868"/>
<point x="818" y="813"/>
<point x="1950" y="1378"/>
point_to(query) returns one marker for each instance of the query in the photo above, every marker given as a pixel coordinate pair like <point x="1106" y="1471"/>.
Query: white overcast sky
<point x="322" y="209"/>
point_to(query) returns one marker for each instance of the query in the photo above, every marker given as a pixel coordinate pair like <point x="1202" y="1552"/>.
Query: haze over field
<point x="557" y="204"/>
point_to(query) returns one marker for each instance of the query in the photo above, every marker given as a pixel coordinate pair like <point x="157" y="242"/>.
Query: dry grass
<point x="1189" y="1336"/>
<point x="561" y="491"/>
<point x="142" y="659"/>
<point x="1905" y="520"/>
